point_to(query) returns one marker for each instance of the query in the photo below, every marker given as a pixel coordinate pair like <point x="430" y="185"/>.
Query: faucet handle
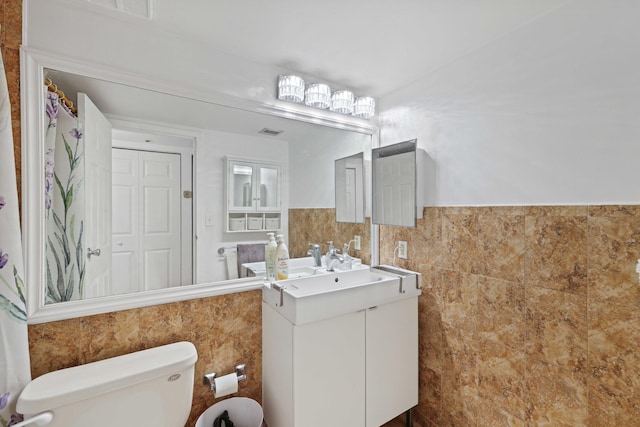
<point x="314" y="245"/>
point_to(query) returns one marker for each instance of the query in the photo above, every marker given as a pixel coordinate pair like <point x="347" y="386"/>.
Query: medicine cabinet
<point x="252" y="195"/>
<point x="399" y="173"/>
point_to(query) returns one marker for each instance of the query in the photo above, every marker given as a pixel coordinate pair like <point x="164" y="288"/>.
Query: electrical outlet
<point x="402" y="249"/>
<point x="356" y="243"/>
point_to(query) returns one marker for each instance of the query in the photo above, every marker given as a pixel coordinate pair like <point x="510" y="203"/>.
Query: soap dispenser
<point x="282" y="259"/>
<point x="347" y="261"/>
<point x="270" y="258"/>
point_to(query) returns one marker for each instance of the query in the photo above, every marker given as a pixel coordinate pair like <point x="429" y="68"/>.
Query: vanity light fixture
<point x="318" y="95"/>
<point x="291" y="88"/>
<point x="364" y="107"/>
<point x="342" y="101"/>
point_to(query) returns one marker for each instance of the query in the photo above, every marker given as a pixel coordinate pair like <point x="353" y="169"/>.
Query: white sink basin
<point x="298" y="267"/>
<point x="303" y="271"/>
<point x="330" y="294"/>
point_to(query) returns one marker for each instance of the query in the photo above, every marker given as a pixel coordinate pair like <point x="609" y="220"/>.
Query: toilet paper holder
<point x="208" y="379"/>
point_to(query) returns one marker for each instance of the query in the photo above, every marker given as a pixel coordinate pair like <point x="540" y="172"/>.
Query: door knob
<point x="90" y="252"/>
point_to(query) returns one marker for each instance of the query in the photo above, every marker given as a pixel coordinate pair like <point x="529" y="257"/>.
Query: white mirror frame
<point x="32" y="65"/>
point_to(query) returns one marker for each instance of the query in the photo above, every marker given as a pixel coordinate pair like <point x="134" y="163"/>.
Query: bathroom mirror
<point x="155" y="114"/>
<point x="350" y="191"/>
<point x="397" y="179"/>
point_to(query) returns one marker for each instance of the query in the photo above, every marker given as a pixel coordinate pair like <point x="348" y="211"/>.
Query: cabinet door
<point x="268" y="187"/>
<point x="392" y="360"/>
<point x="328" y="380"/>
<point x="240" y="192"/>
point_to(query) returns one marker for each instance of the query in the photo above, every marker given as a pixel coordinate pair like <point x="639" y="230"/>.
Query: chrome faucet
<point x="315" y="253"/>
<point x="333" y="258"/>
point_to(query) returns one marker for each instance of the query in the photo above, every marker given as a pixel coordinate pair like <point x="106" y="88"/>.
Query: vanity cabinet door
<point x="313" y="375"/>
<point x="329" y="372"/>
<point x="392" y="360"/>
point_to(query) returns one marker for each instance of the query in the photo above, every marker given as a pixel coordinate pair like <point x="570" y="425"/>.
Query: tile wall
<point x="10" y="41"/>
<point x="226" y="330"/>
<point x="528" y="316"/>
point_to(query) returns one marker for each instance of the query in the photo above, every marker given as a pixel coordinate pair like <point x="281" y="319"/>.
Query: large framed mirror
<point x="155" y="127"/>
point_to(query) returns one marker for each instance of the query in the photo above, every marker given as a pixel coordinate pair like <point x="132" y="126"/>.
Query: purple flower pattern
<point x="51" y="107"/>
<point x="4" y="258"/>
<point x="3" y="202"/>
<point x="4" y="399"/>
<point x="48" y="177"/>
<point x="76" y="133"/>
<point x="62" y="192"/>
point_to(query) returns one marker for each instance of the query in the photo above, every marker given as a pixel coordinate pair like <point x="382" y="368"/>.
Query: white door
<point x="161" y="227"/>
<point x="147" y="229"/>
<point x="395" y="197"/>
<point x="97" y="138"/>
<point x="126" y="196"/>
<point x="350" y="195"/>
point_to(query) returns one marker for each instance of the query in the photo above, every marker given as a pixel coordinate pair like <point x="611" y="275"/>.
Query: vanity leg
<point x="409" y="418"/>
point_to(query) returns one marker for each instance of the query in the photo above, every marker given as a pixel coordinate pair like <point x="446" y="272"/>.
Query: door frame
<point x="187" y="179"/>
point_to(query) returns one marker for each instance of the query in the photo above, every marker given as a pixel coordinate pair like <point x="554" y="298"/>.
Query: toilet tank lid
<point x="66" y="386"/>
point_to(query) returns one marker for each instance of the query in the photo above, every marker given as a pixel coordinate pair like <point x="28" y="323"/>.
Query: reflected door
<point x="97" y="139"/>
<point x="395" y="191"/>
<point x="147" y="220"/>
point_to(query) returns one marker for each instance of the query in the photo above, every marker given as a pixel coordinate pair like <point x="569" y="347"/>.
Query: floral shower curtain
<point x="14" y="346"/>
<point x="64" y="202"/>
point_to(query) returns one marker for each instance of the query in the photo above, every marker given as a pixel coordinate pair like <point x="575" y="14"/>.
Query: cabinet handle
<point x="373" y="308"/>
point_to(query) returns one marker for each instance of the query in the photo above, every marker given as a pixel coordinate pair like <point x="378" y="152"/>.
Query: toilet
<point x="151" y="387"/>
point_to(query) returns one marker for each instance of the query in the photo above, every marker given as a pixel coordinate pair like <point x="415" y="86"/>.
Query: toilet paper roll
<point x="227" y="384"/>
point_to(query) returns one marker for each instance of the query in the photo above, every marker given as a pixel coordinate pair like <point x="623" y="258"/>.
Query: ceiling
<point x="372" y="47"/>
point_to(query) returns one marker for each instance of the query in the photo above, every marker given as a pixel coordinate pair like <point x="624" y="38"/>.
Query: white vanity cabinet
<point x="253" y="195"/>
<point x="356" y="369"/>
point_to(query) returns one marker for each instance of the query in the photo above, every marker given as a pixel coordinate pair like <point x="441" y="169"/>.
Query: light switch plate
<point x="356" y="243"/>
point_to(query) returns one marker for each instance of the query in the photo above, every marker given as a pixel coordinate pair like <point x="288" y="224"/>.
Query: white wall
<point x="210" y="152"/>
<point x="312" y="170"/>
<point x="99" y="36"/>
<point x="549" y="114"/>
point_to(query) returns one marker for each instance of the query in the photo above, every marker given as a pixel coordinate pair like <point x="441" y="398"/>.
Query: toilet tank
<point x="151" y="387"/>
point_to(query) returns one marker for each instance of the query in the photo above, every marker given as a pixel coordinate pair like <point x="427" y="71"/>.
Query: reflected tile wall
<point x="226" y="330"/>
<point x="319" y="226"/>
<point x="528" y="315"/>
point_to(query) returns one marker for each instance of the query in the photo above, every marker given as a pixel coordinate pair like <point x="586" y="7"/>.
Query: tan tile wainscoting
<point x="529" y="315"/>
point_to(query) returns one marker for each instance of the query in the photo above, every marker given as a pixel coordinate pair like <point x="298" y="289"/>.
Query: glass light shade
<point x="318" y="95"/>
<point x="364" y="107"/>
<point x="342" y="101"/>
<point x="291" y="88"/>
